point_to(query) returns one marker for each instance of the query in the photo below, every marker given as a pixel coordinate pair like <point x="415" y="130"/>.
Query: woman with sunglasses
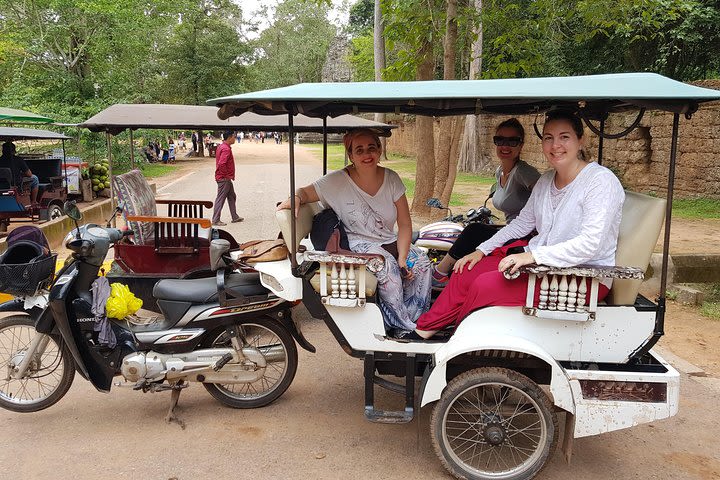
<point x="576" y="209"/>
<point x="369" y="200"/>
<point x="514" y="180"/>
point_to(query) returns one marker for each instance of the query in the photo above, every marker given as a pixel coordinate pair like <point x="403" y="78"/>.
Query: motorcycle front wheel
<point x="264" y="334"/>
<point x="49" y="374"/>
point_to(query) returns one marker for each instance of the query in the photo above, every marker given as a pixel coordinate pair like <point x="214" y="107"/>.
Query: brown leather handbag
<point x="263" y="251"/>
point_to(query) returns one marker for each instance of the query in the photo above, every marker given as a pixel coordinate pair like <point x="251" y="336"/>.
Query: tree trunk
<point x="379" y="54"/>
<point x="446" y="154"/>
<point x="471" y="158"/>
<point x="424" y="139"/>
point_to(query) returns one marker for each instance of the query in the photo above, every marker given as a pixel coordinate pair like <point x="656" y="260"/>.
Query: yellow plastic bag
<point x="122" y="301"/>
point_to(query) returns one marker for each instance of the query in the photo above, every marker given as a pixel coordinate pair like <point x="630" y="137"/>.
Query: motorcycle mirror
<point x="71" y="210"/>
<point x="434" y="203"/>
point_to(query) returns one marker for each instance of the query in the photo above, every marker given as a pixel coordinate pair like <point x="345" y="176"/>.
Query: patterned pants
<point x="401" y="301"/>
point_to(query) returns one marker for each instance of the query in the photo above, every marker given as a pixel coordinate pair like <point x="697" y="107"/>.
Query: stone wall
<point x="641" y="159"/>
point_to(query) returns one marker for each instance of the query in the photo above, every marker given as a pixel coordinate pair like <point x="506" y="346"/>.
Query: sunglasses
<point x="506" y="141"/>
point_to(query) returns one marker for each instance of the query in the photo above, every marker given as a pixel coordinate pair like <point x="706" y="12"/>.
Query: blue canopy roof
<point x="596" y="93"/>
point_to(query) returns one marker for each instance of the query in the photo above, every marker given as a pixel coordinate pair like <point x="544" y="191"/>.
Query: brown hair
<point x="358" y="132"/>
<point x="515" y="124"/>
<point x="575" y="122"/>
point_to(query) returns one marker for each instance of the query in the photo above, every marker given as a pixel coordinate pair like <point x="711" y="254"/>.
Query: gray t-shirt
<point x="366" y="218"/>
<point x="511" y="198"/>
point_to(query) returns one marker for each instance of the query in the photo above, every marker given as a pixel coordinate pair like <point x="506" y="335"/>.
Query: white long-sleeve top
<point x="581" y="230"/>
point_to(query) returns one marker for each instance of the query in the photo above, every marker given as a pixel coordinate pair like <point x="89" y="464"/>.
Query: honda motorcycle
<point x="436" y="238"/>
<point x="227" y="332"/>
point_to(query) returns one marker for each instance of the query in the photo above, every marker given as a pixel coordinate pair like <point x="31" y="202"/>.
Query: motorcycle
<point x="227" y="332"/>
<point x="436" y="238"/>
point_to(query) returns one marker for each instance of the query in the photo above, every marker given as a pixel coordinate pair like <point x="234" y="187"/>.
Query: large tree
<point x="293" y="49"/>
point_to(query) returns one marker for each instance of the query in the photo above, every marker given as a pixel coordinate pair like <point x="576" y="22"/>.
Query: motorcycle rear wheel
<point x="47" y="379"/>
<point x="260" y="333"/>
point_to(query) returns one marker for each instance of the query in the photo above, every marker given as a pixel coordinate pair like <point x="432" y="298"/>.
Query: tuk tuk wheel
<point x="494" y="423"/>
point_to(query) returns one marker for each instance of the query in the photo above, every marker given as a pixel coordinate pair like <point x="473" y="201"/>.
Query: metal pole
<point x="325" y="148"/>
<point x="65" y="168"/>
<point x="293" y="221"/>
<point x="132" y="151"/>
<point x="112" y="194"/>
<point x="660" y="321"/>
<point x="600" y="143"/>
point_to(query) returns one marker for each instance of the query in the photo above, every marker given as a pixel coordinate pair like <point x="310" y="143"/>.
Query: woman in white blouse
<point x="576" y="209"/>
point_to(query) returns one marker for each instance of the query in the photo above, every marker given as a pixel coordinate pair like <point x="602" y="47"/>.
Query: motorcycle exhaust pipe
<point x="273" y="353"/>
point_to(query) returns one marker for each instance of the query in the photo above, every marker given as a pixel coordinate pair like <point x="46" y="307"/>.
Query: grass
<point x="405" y="167"/>
<point x="711" y="310"/>
<point x="151" y="170"/>
<point x="696" y="208"/>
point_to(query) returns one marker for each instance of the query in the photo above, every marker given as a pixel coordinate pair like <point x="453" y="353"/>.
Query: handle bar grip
<point x="127" y="233"/>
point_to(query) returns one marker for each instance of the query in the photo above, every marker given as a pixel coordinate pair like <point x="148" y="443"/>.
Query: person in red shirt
<point x="224" y="176"/>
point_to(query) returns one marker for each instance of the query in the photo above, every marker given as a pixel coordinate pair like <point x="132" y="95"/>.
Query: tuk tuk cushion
<point x="134" y="191"/>
<point x="642" y="220"/>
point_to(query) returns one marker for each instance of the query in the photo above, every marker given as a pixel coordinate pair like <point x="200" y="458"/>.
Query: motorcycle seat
<point x="204" y="290"/>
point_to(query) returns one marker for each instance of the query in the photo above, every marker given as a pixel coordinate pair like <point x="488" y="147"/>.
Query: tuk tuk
<point x="15" y="199"/>
<point x="499" y="383"/>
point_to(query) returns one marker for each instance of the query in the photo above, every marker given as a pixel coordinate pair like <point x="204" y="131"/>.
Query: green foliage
<point x="362" y="18"/>
<point x="711" y="310"/>
<point x="293" y="49"/>
<point x="362" y="59"/>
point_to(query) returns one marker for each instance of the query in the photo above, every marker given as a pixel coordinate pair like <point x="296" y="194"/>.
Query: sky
<point x="250" y="7"/>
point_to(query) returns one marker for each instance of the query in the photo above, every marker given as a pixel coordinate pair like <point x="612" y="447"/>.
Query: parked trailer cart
<point x="499" y="383"/>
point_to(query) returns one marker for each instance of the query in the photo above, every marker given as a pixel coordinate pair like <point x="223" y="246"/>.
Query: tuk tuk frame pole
<point x="109" y="152"/>
<point x="600" y="141"/>
<point x="65" y="168"/>
<point x="660" y="322"/>
<point x="293" y="220"/>
<point x="325" y="147"/>
<point x="132" y="151"/>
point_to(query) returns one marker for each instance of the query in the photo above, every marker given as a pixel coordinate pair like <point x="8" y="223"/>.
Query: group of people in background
<point x="159" y="152"/>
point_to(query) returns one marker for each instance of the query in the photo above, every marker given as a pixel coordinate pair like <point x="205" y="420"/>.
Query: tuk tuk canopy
<point x="117" y="118"/>
<point x="13" y="133"/>
<point x="598" y="94"/>
<point x="12" y="115"/>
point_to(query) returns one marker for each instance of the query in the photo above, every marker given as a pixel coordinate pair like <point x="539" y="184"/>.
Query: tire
<point x="54" y="211"/>
<point x="494" y="423"/>
<point x="45" y="383"/>
<point x="262" y="331"/>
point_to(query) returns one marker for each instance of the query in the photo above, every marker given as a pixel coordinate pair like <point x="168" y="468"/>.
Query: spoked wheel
<point x="49" y="375"/>
<point x="274" y="341"/>
<point x="494" y="423"/>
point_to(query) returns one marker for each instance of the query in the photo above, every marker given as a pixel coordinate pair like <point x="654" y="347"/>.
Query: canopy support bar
<point x="109" y="154"/>
<point x="65" y="167"/>
<point x="325" y="148"/>
<point x="291" y="242"/>
<point x="601" y="141"/>
<point x="660" y="314"/>
<point x="132" y="151"/>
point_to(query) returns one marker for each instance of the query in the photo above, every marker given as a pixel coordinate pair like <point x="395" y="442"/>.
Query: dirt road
<point x="317" y="429"/>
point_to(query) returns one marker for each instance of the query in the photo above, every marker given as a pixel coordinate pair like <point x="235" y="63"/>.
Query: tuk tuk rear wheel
<point x="494" y="423"/>
<point x="54" y="211"/>
<point x="261" y="333"/>
<point x="48" y="377"/>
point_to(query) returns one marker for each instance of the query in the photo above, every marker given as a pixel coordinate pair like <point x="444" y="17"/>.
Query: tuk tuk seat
<point x="563" y="290"/>
<point x="183" y="230"/>
<point x="642" y="220"/>
<point x="303" y="227"/>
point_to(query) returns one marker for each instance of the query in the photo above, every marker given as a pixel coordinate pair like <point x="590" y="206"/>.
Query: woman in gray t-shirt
<point x="515" y="180"/>
<point x="370" y="200"/>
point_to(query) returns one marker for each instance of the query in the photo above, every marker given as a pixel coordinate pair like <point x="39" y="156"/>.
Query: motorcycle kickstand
<point x="171" y="417"/>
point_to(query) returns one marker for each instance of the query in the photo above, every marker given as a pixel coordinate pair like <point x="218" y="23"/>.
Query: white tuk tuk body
<point x="592" y="361"/>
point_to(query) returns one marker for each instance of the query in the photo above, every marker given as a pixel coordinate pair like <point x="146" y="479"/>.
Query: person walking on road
<point x="224" y="176"/>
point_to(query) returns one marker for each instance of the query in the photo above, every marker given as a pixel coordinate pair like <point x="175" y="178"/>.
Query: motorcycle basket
<point x="25" y="269"/>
